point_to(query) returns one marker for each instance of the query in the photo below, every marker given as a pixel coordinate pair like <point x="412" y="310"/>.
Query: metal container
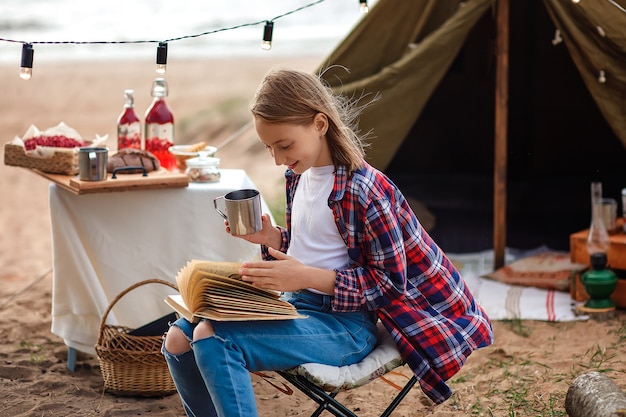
<point x="92" y="164"/>
<point x="243" y="211"/>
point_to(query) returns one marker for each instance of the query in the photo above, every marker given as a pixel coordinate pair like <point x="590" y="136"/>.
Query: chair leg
<point x="396" y="401"/>
<point x="325" y="400"/>
<point x="320" y="409"/>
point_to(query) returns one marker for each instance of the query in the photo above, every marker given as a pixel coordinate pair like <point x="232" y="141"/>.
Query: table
<point x="104" y="243"/>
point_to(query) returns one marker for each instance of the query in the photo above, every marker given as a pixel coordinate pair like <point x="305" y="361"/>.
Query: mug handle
<point x="217" y="209"/>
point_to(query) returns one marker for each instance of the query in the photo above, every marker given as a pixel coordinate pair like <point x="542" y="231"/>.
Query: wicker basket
<point x="60" y="162"/>
<point x="132" y="365"/>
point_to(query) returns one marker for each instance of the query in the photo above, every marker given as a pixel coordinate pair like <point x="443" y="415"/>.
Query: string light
<point x="26" y="68"/>
<point x="602" y="77"/>
<point x="267" y="35"/>
<point x="363" y="6"/>
<point x="28" y="51"/>
<point x="161" y="58"/>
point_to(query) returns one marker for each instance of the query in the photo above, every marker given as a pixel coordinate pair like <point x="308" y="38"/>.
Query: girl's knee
<point x="176" y="342"/>
<point x="203" y="330"/>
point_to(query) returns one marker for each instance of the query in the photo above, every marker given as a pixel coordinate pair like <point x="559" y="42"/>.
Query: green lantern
<point x="599" y="283"/>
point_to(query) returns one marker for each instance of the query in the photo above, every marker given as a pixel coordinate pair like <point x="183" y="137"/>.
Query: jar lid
<point x="203" y="162"/>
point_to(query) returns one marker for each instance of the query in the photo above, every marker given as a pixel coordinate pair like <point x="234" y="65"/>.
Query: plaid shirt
<point x="399" y="272"/>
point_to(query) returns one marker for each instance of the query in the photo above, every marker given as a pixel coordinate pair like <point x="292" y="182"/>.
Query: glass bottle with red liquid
<point x="159" y="126"/>
<point x="128" y="124"/>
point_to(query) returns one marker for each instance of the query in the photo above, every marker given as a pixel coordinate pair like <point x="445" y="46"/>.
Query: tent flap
<point x="593" y="32"/>
<point x="374" y="60"/>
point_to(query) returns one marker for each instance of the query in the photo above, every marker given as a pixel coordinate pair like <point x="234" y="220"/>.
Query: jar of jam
<point x="203" y="169"/>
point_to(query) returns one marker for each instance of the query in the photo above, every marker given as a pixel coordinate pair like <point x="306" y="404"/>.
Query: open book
<point x="214" y="290"/>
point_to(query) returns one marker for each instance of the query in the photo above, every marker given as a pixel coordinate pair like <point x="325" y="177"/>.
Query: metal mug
<point x="243" y="211"/>
<point x="92" y="164"/>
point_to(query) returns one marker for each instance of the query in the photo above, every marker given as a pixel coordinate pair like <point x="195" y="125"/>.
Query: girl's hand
<point x="268" y="235"/>
<point x="282" y="274"/>
<point x="287" y="274"/>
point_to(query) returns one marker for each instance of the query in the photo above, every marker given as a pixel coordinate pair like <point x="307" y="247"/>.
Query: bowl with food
<point x="184" y="152"/>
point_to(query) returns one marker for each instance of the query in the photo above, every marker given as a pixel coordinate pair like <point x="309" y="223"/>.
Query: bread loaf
<point x="131" y="157"/>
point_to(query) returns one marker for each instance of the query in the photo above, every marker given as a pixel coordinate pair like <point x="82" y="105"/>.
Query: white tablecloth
<point x="104" y="243"/>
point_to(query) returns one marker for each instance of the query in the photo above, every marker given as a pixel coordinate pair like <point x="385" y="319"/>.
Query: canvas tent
<point x="433" y="64"/>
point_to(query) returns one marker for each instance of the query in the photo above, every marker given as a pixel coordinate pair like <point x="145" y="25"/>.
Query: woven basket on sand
<point x="132" y="365"/>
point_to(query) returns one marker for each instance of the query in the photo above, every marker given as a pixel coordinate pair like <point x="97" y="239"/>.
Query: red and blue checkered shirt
<point x="398" y="271"/>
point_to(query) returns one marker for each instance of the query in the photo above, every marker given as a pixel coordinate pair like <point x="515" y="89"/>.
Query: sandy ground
<point x="526" y="373"/>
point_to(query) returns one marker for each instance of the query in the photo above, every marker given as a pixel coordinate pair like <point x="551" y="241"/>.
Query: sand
<point x="526" y="373"/>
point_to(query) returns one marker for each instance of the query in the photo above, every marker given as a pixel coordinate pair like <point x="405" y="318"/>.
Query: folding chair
<point x="322" y="383"/>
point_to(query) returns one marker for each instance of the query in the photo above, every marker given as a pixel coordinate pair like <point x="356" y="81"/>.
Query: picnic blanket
<point x="503" y="301"/>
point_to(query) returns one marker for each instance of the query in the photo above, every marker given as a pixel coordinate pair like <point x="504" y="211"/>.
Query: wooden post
<point x="501" y="133"/>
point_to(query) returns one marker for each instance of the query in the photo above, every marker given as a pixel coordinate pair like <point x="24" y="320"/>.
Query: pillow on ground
<point x="549" y="270"/>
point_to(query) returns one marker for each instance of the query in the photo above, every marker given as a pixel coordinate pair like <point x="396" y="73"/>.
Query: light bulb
<point x="161" y="58"/>
<point x="267" y="36"/>
<point x="363" y="6"/>
<point x="26" y="67"/>
<point x="602" y="77"/>
<point x="26" y="73"/>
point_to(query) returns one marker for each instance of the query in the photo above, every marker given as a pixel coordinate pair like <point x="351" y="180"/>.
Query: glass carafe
<point x="598" y="237"/>
<point x="128" y="124"/>
<point x="159" y="126"/>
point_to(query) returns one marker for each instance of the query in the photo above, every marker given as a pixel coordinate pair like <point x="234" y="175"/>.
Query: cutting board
<point x="122" y="182"/>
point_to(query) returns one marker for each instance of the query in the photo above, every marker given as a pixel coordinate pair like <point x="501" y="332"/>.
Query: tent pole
<point x="500" y="134"/>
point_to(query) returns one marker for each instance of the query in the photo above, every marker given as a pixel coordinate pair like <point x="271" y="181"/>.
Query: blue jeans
<point x="213" y="378"/>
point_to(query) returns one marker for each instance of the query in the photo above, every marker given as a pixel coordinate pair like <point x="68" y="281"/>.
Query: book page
<point x="224" y="269"/>
<point x="214" y="290"/>
<point x="239" y="315"/>
<point x="176" y="302"/>
<point x="187" y="277"/>
<point x="243" y="286"/>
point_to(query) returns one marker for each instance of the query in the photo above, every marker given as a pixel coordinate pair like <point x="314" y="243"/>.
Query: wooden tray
<point x="122" y="182"/>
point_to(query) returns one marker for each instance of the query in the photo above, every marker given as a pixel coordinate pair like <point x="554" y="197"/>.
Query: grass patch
<point x="518" y="327"/>
<point x="525" y="385"/>
<point x="37" y="352"/>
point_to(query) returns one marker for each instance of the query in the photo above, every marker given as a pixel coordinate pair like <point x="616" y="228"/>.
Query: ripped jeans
<point x="213" y="378"/>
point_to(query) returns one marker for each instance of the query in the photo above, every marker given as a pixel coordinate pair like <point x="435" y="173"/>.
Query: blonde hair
<point x="295" y="97"/>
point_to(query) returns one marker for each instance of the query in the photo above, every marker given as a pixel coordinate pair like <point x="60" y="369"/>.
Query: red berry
<point x="56" y="141"/>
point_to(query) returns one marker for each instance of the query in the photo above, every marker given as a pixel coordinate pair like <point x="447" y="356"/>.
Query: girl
<point x="352" y="253"/>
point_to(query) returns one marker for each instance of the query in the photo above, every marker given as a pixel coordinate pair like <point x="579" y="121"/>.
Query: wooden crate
<point x="616" y="256"/>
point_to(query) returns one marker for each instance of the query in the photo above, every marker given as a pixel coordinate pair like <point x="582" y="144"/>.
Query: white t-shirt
<point x="315" y="240"/>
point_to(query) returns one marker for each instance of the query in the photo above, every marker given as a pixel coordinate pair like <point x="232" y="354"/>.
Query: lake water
<point x="313" y="30"/>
